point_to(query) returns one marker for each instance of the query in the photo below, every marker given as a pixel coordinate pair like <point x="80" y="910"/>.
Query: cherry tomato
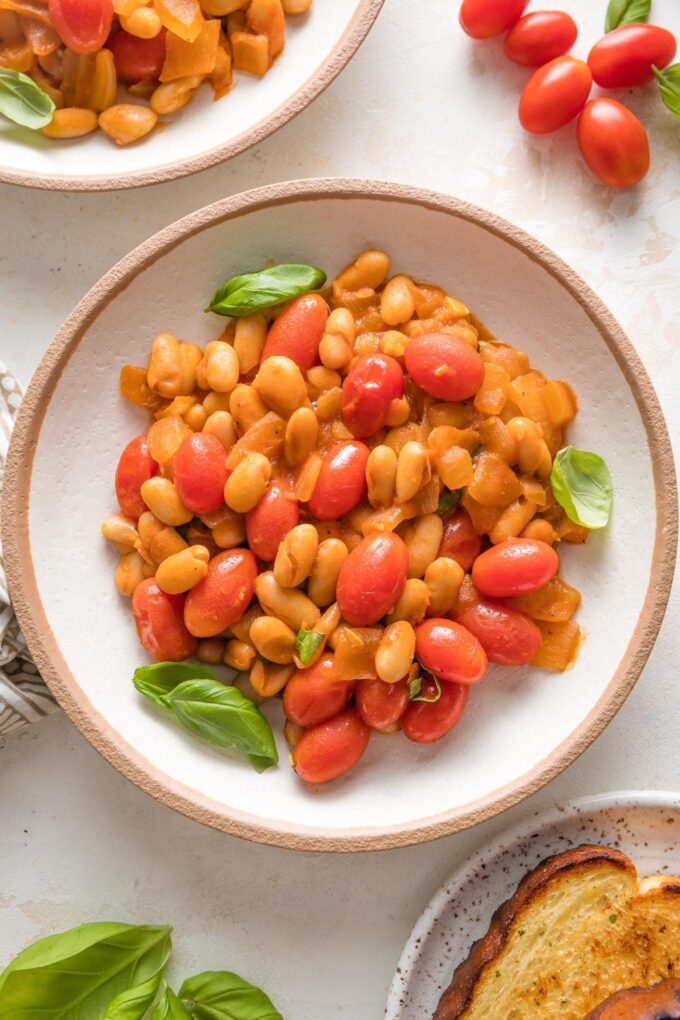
<point x="554" y="95"/>
<point x="297" y="332"/>
<point x="137" y="58"/>
<point x="135" y="466"/>
<point x="427" y="721"/>
<point x="372" y="578"/>
<point x="507" y="636"/>
<point x="315" y="694"/>
<point x="200" y="470"/>
<point x="342" y="481"/>
<point x="380" y="704"/>
<point x="82" y="25"/>
<point x="450" y="651"/>
<point x="538" y="38"/>
<point x="270" y="520"/>
<point x="223" y="595"/>
<point x="332" y="748"/>
<point x="371" y="384"/>
<point x="483" y="18"/>
<point x="613" y="143"/>
<point x="159" y="619"/>
<point x="445" y="366"/>
<point x="460" y="541"/>
<point x="624" y="57"/>
<point x="516" y="566"/>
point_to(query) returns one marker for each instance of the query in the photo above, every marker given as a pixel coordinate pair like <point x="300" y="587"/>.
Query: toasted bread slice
<point x="580" y="927"/>
<point x="660" y="1002"/>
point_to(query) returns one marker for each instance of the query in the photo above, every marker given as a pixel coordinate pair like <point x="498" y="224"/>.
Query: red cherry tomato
<point x="450" y="651"/>
<point x="137" y="58"/>
<point x="371" y="384"/>
<point x="315" y="694"/>
<point x="223" y="595"/>
<point x="613" y="143"/>
<point x="380" y="704"/>
<point x="342" y="481"/>
<point x="427" y="721"/>
<point x="135" y="466"/>
<point x="270" y="520"/>
<point x="624" y="57"/>
<point x="82" y="25"/>
<point x="483" y="18"/>
<point x="445" y="366"/>
<point x="538" y="38"/>
<point x="507" y="636"/>
<point x="372" y="578"/>
<point x="297" y="332"/>
<point x="332" y="748"/>
<point x="200" y="471"/>
<point x="160" y="623"/>
<point x="460" y="541"/>
<point x="554" y="95"/>
<point x="516" y="566"/>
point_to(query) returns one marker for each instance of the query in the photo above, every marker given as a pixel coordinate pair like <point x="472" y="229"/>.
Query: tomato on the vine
<point x="554" y="95"/>
<point x="484" y="18"/>
<point x="624" y="58"/>
<point x="540" y="37"/>
<point x="613" y="143"/>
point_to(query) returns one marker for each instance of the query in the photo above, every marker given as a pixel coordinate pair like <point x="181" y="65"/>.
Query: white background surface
<point x="420" y="103"/>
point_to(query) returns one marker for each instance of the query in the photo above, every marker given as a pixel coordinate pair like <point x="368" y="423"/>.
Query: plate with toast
<point x="572" y="915"/>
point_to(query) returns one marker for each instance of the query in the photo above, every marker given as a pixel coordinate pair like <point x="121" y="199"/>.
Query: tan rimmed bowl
<point x="522" y="726"/>
<point x="318" y="45"/>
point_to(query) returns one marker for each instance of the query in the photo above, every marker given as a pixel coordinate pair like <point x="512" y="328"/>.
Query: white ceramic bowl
<point x="522" y="726"/>
<point x="318" y="46"/>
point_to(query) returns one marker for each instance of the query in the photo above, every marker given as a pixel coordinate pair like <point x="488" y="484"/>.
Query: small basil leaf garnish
<point x="582" y="485"/>
<point x="220" y="995"/>
<point x="245" y="295"/>
<point x="169" y="1007"/>
<point x="415" y="687"/>
<point x="156" y="681"/>
<point x="22" y="101"/>
<point x="306" y="643"/>
<point x="448" y="501"/>
<point x="220" y="715"/>
<point x="626" y="12"/>
<point x="135" y="1003"/>
<point x="669" y="87"/>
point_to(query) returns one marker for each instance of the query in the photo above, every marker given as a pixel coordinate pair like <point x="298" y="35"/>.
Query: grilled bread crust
<point x="660" y="1002"/>
<point x="647" y="907"/>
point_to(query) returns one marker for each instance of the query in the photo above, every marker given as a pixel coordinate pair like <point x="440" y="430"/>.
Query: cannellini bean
<point x="218" y="369"/>
<point x="172" y="366"/>
<point x="289" y="604"/>
<point x="291" y="731"/>
<point x="423" y="538"/>
<point x="246" y="485"/>
<point x="71" y="122"/>
<point x="323" y="579"/>
<point x="398" y="413"/>
<point x="183" y="570"/>
<point x="269" y="679"/>
<point x="246" y="406"/>
<point x="532" y="453"/>
<point x="321" y="379"/>
<point x="230" y="530"/>
<point x="273" y="639"/>
<point x="368" y="270"/>
<point x="143" y="23"/>
<point x="394" y="656"/>
<point x="120" y="529"/>
<point x="337" y="343"/>
<point x="164" y="543"/>
<point x="249" y="337"/>
<point x="213" y="402"/>
<point x="129" y="573"/>
<point x="173" y="95"/>
<point x="444" y="577"/>
<point x="211" y="651"/>
<point x="239" y="654"/>
<point x="412" y="604"/>
<point x="302" y="430"/>
<point x="397" y="302"/>
<point x="281" y="384"/>
<point x="413" y="471"/>
<point x="307" y="477"/>
<point x="381" y="475"/>
<point x="126" y="122"/>
<point x="196" y="417"/>
<point x="296" y="555"/>
<point x="162" y="499"/>
<point x="541" y="530"/>
<point x="513" y="520"/>
<point x="221" y="424"/>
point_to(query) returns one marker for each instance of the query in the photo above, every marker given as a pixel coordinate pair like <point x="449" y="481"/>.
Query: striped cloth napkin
<point x="23" y="695"/>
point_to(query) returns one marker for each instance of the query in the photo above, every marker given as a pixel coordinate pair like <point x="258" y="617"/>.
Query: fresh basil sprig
<point x="169" y="1007"/>
<point x="22" y="101"/>
<point x="135" y="1003"/>
<point x="669" y="87"/>
<point x="448" y="501"/>
<point x="306" y="643"/>
<point x="245" y="295"/>
<point x="157" y="681"/>
<point x="582" y="485"/>
<point x="415" y="687"/>
<point x="82" y="971"/>
<point x="220" y="995"/>
<point x="626" y="12"/>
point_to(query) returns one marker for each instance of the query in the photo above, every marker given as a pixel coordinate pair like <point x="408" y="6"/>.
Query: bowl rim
<point x="344" y="49"/>
<point x="128" y="760"/>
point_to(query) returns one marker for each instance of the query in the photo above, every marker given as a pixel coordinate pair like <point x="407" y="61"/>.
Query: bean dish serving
<point x="351" y="498"/>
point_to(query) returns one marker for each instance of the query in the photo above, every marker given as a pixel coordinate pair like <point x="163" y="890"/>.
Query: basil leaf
<point x="169" y="1007"/>
<point x="135" y="1003"/>
<point x="306" y="643"/>
<point x="156" y="681"/>
<point x="244" y="295"/>
<point x="78" y="972"/>
<point x="448" y="501"/>
<point x="582" y="485"/>
<point x="669" y="87"/>
<point x="223" y="717"/>
<point x="415" y="687"/>
<point x="626" y="12"/>
<point x="22" y="101"/>
<point x="220" y="995"/>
